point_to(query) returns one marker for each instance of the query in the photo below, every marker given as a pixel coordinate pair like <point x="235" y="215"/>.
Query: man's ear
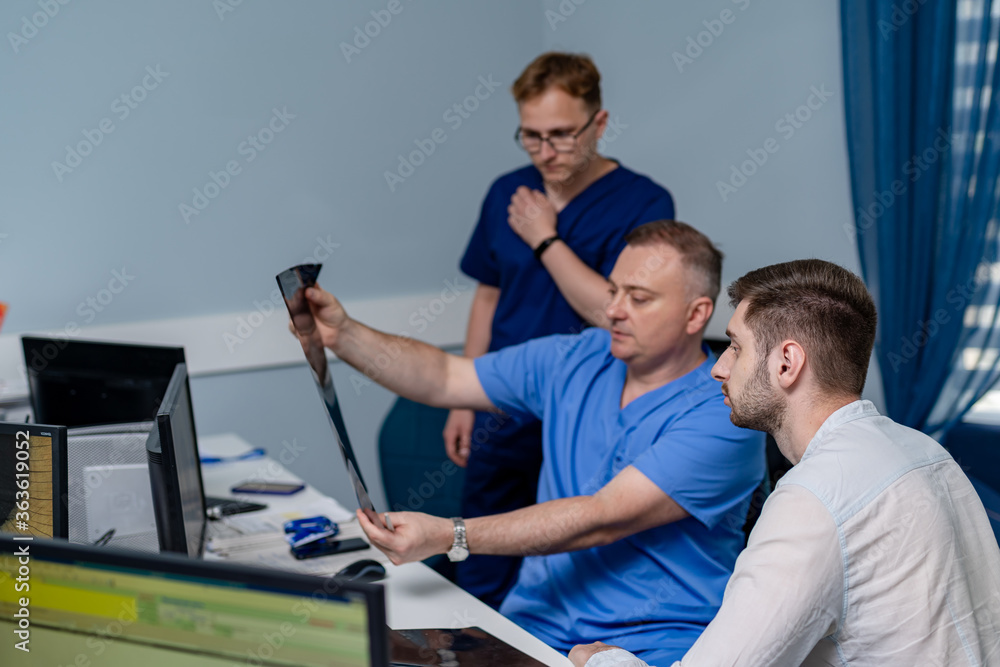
<point x="601" y="122"/>
<point x="789" y="361"/>
<point x="699" y="312"/>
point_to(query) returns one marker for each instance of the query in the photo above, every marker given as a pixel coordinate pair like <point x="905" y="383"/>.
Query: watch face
<point x="456" y="554"/>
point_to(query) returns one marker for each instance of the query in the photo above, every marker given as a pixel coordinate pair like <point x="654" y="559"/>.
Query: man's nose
<point x="614" y="310"/>
<point x="720" y="371"/>
<point x="547" y="152"/>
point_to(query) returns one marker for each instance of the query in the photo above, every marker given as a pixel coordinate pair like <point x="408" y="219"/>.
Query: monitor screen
<point x="33" y="472"/>
<point x="82" y="605"/>
<point x="82" y="383"/>
<point x="175" y="471"/>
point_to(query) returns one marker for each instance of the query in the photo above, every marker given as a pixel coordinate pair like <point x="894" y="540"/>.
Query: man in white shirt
<point x="874" y="549"/>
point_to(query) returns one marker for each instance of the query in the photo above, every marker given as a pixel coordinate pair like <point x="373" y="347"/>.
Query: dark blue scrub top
<point x="593" y="225"/>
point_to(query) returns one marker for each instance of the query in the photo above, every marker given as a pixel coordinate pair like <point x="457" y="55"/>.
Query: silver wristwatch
<point x="460" y="547"/>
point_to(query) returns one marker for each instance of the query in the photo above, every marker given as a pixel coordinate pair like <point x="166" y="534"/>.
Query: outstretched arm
<point x="410" y="368"/>
<point x="628" y="504"/>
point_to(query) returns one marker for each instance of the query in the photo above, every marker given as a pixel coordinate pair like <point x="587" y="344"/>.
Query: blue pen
<point x="252" y="454"/>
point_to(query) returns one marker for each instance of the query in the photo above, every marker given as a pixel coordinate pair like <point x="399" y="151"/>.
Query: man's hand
<point x="329" y="316"/>
<point x="323" y="317"/>
<point x="532" y="216"/>
<point x="313" y="332"/>
<point x="416" y="536"/>
<point x="581" y="653"/>
<point x="458" y="436"/>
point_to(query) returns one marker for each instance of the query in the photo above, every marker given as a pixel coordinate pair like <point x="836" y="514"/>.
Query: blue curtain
<point x="924" y="149"/>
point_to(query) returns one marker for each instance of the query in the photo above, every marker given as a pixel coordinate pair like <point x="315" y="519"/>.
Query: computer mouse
<point x="363" y="571"/>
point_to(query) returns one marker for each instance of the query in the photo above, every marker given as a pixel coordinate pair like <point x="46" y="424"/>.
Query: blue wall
<point x="319" y="182"/>
<point x="318" y="189"/>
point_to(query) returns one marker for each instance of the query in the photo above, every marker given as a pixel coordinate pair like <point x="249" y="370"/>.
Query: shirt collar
<point x="693" y="382"/>
<point x="859" y="409"/>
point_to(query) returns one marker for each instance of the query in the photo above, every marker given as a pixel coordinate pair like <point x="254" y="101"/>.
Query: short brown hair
<point x="824" y="307"/>
<point x="573" y="73"/>
<point x="697" y="251"/>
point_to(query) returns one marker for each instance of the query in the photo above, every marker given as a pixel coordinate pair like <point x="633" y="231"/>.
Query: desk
<point x="416" y="596"/>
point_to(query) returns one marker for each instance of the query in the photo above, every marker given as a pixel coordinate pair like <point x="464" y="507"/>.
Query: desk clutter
<point x="119" y="484"/>
<point x="202" y="544"/>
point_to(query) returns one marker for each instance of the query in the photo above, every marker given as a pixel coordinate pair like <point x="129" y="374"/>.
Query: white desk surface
<point x="416" y="596"/>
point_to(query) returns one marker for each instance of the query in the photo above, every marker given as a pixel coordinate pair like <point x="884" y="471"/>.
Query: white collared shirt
<point x="874" y="550"/>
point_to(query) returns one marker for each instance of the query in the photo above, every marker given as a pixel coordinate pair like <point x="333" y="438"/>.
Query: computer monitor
<point x="33" y="472"/>
<point x="82" y="383"/>
<point x="82" y="605"/>
<point x="175" y="471"/>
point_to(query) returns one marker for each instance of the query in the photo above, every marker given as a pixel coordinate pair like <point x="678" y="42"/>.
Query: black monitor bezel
<point x="251" y="577"/>
<point x="60" y="471"/>
<point x="89" y="360"/>
<point x="168" y="497"/>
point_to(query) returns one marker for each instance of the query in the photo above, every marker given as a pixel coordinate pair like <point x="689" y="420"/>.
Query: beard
<point x="759" y="406"/>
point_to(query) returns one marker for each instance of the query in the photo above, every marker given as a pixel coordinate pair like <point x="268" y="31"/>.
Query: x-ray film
<point x="293" y="284"/>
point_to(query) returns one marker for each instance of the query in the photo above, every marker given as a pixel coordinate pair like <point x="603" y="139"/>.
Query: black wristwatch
<point x="544" y="245"/>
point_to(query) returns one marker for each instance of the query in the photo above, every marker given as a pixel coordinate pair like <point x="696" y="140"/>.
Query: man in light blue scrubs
<point x="645" y="484"/>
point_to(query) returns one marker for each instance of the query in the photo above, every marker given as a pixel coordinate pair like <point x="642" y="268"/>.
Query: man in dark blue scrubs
<point x="547" y="238"/>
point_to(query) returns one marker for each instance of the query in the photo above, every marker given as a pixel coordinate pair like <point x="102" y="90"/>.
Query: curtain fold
<point x="922" y="132"/>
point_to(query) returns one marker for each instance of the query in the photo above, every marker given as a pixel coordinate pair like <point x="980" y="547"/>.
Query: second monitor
<point x="175" y="471"/>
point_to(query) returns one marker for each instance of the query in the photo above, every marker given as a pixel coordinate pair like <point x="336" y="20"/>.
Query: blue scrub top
<point x="593" y="225"/>
<point x="656" y="590"/>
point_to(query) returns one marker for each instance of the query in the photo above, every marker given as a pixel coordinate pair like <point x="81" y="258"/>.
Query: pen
<point x="252" y="454"/>
<point x="105" y="538"/>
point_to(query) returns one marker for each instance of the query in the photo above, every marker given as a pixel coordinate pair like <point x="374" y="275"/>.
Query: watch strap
<point x="460" y="546"/>
<point x="544" y="245"/>
<point x="461" y="541"/>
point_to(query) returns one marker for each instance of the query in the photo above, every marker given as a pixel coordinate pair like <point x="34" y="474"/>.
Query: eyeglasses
<point x="560" y="141"/>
